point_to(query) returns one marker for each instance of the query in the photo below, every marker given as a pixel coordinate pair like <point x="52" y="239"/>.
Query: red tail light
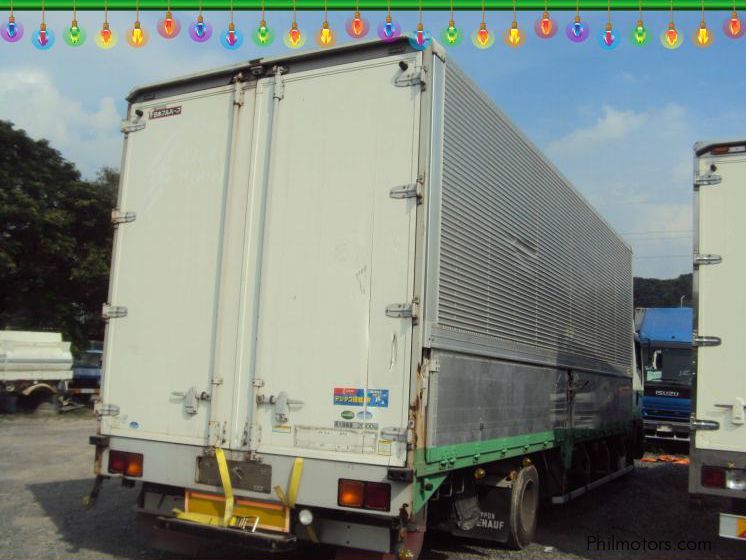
<point x="377" y="496"/>
<point x="130" y="464"/>
<point x="713" y="477"/>
<point x="364" y="495"/>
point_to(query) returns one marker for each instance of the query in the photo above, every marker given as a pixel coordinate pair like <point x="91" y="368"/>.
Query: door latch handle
<point x="737" y="411"/>
<point x="191" y="399"/>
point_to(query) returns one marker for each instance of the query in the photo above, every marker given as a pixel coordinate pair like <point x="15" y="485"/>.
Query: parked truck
<point x="33" y="368"/>
<point x="718" y="446"/>
<point x="349" y="301"/>
<point x="665" y="336"/>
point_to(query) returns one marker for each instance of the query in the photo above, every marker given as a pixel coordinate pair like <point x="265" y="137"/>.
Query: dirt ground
<point x="46" y="469"/>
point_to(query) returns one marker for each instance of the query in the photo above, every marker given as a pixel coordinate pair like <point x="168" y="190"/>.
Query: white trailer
<point x="348" y="300"/>
<point x="32" y="365"/>
<point x="718" y="449"/>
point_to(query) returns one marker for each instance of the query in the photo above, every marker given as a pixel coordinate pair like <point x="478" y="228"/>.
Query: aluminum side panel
<point x="476" y="399"/>
<point x="524" y="261"/>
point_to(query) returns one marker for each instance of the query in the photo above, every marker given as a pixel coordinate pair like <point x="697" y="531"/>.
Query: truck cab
<point x="665" y="336"/>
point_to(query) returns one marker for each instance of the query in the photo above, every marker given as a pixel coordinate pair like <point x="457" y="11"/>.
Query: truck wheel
<point x="410" y="551"/>
<point x="524" y="505"/>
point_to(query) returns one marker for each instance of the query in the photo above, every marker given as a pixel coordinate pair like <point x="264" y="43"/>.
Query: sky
<point x="620" y="125"/>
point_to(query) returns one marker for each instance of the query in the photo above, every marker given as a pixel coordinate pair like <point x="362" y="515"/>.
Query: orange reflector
<point x="134" y="464"/>
<point x="351" y="493"/>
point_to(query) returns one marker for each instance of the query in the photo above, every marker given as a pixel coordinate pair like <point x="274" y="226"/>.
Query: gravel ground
<point x="46" y="468"/>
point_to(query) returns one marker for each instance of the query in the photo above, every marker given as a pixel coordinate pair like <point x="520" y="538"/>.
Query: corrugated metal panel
<point x="523" y="257"/>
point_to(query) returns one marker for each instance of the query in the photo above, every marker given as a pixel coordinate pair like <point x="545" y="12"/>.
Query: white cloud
<point x="611" y="125"/>
<point x="89" y="138"/>
<point x="635" y="167"/>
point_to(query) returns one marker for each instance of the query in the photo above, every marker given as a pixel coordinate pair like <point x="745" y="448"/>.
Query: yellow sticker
<point x="282" y="428"/>
<point x="384" y="447"/>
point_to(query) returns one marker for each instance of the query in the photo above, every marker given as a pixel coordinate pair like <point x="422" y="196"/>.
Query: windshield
<point x="669" y="365"/>
<point x="90" y="360"/>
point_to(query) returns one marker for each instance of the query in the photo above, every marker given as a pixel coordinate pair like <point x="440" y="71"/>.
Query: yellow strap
<point x="288" y="499"/>
<point x="295" y="481"/>
<point x="225" y="480"/>
<point x="312" y="534"/>
<point x="281" y="494"/>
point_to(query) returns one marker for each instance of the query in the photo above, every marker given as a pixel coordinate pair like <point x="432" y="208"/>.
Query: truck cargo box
<point x="352" y="261"/>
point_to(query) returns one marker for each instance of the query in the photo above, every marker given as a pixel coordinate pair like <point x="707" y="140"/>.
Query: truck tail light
<point x="713" y="477"/>
<point x="129" y="464"/>
<point x="351" y="493"/>
<point x="377" y="496"/>
<point x="364" y="495"/>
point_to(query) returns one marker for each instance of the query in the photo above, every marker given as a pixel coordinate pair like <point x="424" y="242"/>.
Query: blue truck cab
<point x="665" y="343"/>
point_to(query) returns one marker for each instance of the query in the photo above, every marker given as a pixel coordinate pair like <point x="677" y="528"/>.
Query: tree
<point x="55" y="240"/>
<point x="653" y="292"/>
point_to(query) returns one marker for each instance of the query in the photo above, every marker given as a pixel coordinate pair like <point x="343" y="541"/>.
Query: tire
<point x="524" y="506"/>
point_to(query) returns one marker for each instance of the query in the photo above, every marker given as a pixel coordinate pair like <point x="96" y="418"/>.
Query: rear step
<point x="257" y="540"/>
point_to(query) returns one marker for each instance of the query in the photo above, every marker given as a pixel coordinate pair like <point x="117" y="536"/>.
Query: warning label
<point x="352" y="396"/>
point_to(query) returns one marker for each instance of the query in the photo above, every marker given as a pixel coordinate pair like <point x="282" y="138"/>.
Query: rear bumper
<point x="669" y="430"/>
<point x="256" y="540"/>
<point x="329" y="527"/>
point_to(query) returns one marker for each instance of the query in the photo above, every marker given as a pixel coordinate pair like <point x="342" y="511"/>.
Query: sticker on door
<point x="351" y="396"/>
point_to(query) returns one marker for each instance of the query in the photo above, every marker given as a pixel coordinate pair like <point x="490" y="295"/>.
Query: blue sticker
<point x="364" y="415"/>
<point x="134" y="425"/>
<point x="350" y="396"/>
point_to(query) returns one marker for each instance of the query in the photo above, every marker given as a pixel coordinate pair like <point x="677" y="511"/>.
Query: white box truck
<point x="348" y="301"/>
<point x="34" y="366"/>
<point x="718" y="448"/>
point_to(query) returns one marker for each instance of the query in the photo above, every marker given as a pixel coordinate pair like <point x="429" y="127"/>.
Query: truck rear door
<point x="161" y="337"/>
<point x="331" y="365"/>
<point x="721" y="306"/>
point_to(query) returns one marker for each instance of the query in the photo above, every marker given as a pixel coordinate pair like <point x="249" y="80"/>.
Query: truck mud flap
<point x="256" y="540"/>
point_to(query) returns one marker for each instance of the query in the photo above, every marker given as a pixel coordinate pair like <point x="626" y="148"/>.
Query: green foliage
<point x="55" y="240"/>
<point x="653" y="292"/>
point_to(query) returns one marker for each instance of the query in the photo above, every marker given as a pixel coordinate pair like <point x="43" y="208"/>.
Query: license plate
<point x="269" y="516"/>
<point x="245" y="475"/>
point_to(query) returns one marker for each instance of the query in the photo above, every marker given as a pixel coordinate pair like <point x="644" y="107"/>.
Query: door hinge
<point x="102" y="409"/>
<point x="121" y="217"/>
<point x="278" y="91"/>
<point x="413" y="190"/>
<point x="707" y="259"/>
<point x="409" y="77"/>
<point x="113" y="311"/>
<point x="403" y="310"/>
<point x="706" y="180"/>
<point x="254" y="436"/>
<point x="702" y="341"/>
<point x="704" y="425"/>
<point x="132" y="126"/>
<point x="737" y="410"/>
<point x="394" y="434"/>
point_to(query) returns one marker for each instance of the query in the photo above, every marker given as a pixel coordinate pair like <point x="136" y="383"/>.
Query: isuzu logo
<point x="165" y="112"/>
<point x="666" y="393"/>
